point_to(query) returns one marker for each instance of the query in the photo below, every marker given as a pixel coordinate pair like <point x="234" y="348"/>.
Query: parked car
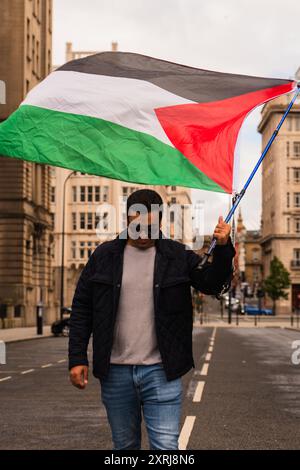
<point x="62" y="327"/>
<point x="254" y="310"/>
<point x="234" y="302"/>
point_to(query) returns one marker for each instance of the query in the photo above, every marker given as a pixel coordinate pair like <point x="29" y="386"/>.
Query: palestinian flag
<point x="139" y="119"/>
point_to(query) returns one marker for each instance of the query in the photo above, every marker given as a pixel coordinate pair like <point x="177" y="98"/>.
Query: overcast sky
<point x="254" y="37"/>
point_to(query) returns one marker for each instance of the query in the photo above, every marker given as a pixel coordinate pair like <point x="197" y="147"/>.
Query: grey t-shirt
<point x="135" y="339"/>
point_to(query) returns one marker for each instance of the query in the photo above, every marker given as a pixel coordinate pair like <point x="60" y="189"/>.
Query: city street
<point x="243" y="394"/>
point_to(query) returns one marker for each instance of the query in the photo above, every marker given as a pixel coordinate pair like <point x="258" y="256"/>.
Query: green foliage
<point x="278" y="281"/>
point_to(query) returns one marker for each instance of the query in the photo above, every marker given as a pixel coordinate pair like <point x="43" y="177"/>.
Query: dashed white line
<point x="62" y="360"/>
<point x="208" y="357"/>
<point x="186" y="432"/>
<point x="204" y="369"/>
<point x="5" y="378"/>
<point x="27" y="371"/>
<point x="46" y="365"/>
<point x="190" y="420"/>
<point x="198" y="392"/>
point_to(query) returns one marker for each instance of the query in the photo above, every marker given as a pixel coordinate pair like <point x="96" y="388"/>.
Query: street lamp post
<point x="62" y="277"/>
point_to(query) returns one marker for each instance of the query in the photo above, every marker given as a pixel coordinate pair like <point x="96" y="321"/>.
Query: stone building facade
<point x="25" y="223"/>
<point x="281" y="194"/>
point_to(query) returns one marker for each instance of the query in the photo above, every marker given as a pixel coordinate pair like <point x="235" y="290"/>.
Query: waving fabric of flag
<point x="139" y="119"/>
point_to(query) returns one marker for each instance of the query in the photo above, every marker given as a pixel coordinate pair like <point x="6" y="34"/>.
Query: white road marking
<point x="210" y="349"/>
<point x="27" y="371"/>
<point x="198" y="392"/>
<point x="5" y="378"/>
<point x="186" y="432"/>
<point x="204" y="369"/>
<point x="9" y="372"/>
<point x="208" y="357"/>
<point x="46" y="365"/>
<point x="62" y="360"/>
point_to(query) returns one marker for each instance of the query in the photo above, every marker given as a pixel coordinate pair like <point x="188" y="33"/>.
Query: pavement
<point x="209" y="319"/>
<point x="244" y="393"/>
<point x="20" y="334"/>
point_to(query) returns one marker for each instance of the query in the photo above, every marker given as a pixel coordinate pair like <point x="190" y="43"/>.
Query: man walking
<point x="134" y="296"/>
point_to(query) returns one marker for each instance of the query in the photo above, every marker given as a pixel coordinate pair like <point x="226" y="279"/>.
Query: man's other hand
<point x="222" y="232"/>
<point x="79" y="376"/>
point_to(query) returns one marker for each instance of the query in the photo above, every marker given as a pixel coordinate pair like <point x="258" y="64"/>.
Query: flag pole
<point x="240" y="195"/>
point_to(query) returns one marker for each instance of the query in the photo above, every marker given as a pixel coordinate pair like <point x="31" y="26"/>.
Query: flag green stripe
<point x="98" y="147"/>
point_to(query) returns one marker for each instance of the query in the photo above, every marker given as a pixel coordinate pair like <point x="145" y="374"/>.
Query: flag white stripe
<point x="125" y="101"/>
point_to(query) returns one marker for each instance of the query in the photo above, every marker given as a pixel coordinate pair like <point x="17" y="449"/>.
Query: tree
<point x="277" y="282"/>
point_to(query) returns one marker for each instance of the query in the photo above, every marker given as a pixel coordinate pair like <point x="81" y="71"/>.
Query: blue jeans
<point x="129" y="390"/>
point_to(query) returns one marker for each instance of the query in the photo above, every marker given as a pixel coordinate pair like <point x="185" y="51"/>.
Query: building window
<point x="173" y="200"/>
<point x="82" y="193"/>
<point x="97" y="193"/>
<point x="90" y="221"/>
<point x="125" y="191"/>
<point x="74" y="193"/>
<point x="105" y="221"/>
<point x="37" y="58"/>
<point x="287" y="199"/>
<point x="97" y="220"/>
<point x="290" y="123"/>
<point x="28" y="39"/>
<point x="296" y="175"/>
<point x="287" y="149"/>
<point x="173" y="188"/>
<point x="90" y="249"/>
<point x="105" y="193"/>
<point x="74" y="221"/>
<point x="288" y="225"/>
<point x="18" y="311"/>
<point x="296" y="258"/>
<point x="287" y="175"/>
<point x="82" y="220"/>
<point x="52" y="194"/>
<point x="296" y="149"/>
<point x="50" y="19"/>
<point x="52" y="215"/>
<point x="73" y="250"/>
<point x="256" y="273"/>
<point x="81" y="250"/>
<point x="297" y="123"/>
<point x="90" y="194"/>
<point x="297" y="225"/>
<point x="255" y="254"/>
<point x="49" y="61"/>
<point x="297" y="199"/>
<point x="33" y="54"/>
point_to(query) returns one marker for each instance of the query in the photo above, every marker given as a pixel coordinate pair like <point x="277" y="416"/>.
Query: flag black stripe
<point x="194" y="84"/>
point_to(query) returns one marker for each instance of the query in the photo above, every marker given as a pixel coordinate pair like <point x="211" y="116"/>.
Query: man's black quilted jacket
<point x="96" y="298"/>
